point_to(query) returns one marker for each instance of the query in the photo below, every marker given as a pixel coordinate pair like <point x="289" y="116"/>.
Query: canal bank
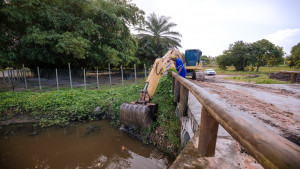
<point x="59" y="108"/>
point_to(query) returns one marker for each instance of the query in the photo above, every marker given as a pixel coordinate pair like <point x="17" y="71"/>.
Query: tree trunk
<point x="258" y="64"/>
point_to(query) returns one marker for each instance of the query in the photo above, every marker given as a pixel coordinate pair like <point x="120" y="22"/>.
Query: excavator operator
<point x="179" y="65"/>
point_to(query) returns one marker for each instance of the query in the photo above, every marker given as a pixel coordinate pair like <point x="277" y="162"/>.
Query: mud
<point x="283" y="77"/>
<point x="276" y="107"/>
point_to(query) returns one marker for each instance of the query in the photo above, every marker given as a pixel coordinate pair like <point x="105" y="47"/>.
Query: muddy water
<point x="89" y="145"/>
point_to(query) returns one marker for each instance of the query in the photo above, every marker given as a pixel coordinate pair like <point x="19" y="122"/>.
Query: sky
<point x="212" y="25"/>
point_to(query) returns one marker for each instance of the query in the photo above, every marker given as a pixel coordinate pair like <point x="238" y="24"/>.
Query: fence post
<point x="21" y="74"/>
<point x="97" y="80"/>
<point x="70" y="75"/>
<point x="38" y="71"/>
<point x="25" y="77"/>
<point x="177" y="91"/>
<point x="208" y="134"/>
<point x="8" y="77"/>
<point x="13" y="73"/>
<point x="135" y="74"/>
<point x="109" y="75"/>
<point x="17" y="74"/>
<point x="56" y="79"/>
<point x="122" y="75"/>
<point x="4" y="79"/>
<point x="183" y="104"/>
<point x="12" y="79"/>
<point x="84" y="80"/>
<point x="145" y="70"/>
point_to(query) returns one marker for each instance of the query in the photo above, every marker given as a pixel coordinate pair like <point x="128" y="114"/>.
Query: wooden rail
<point x="268" y="148"/>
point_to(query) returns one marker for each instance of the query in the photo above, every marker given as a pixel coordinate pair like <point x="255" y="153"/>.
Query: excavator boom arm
<point x="160" y="66"/>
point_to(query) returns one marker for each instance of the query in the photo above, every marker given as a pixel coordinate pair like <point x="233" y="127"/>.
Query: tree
<point x="266" y="52"/>
<point x="237" y="55"/>
<point x="223" y="60"/>
<point x="206" y="60"/>
<point x="294" y="58"/>
<point x="156" y="37"/>
<point x="52" y="33"/>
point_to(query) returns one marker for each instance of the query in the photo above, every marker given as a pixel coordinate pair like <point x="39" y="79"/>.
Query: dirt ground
<point x="275" y="106"/>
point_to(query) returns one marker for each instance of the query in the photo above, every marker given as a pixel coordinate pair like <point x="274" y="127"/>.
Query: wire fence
<point x="41" y="79"/>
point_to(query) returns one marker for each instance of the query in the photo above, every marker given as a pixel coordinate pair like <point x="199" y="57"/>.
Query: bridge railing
<point x="268" y="148"/>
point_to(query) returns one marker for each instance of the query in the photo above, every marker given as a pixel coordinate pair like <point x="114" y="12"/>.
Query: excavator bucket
<point x="136" y="115"/>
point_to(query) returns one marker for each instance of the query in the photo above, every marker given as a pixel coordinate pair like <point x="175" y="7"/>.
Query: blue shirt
<point x="178" y="65"/>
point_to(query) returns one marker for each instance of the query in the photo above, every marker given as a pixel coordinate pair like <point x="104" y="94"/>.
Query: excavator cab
<point x="193" y="64"/>
<point x="193" y="57"/>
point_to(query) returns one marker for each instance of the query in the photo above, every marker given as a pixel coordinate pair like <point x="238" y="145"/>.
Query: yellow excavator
<point x="142" y="112"/>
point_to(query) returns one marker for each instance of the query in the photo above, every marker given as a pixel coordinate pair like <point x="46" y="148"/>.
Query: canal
<point x="80" y="145"/>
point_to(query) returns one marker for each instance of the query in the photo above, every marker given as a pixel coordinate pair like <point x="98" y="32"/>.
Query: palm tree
<point x="156" y="37"/>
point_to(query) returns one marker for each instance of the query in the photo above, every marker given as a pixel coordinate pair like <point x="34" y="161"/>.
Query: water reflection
<point x="90" y="145"/>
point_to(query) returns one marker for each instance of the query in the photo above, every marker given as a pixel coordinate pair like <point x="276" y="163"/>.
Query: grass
<point x="61" y="107"/>
<point x="262" y="70"/>
<point x="261" y="79"/>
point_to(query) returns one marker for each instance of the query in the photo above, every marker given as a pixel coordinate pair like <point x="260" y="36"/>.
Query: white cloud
<point x="282" y="35"/>
<point x="286" y="38"/>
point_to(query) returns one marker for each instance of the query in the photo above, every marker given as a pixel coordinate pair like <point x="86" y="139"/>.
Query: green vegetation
<point x="156" y="37"/>
<point x="61" y="107"/>
<point x="52" y="33"/>
<point x="242" y="54"/>
<point x="263" y="70"/>
<point x="167" y="120"/>
<point x="294" y="59"/>
<point x="261" y="79"/>
<point x="206" y="60"/>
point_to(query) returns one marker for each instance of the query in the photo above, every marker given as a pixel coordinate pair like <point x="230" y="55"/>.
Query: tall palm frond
<point x="157" y="35"/>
